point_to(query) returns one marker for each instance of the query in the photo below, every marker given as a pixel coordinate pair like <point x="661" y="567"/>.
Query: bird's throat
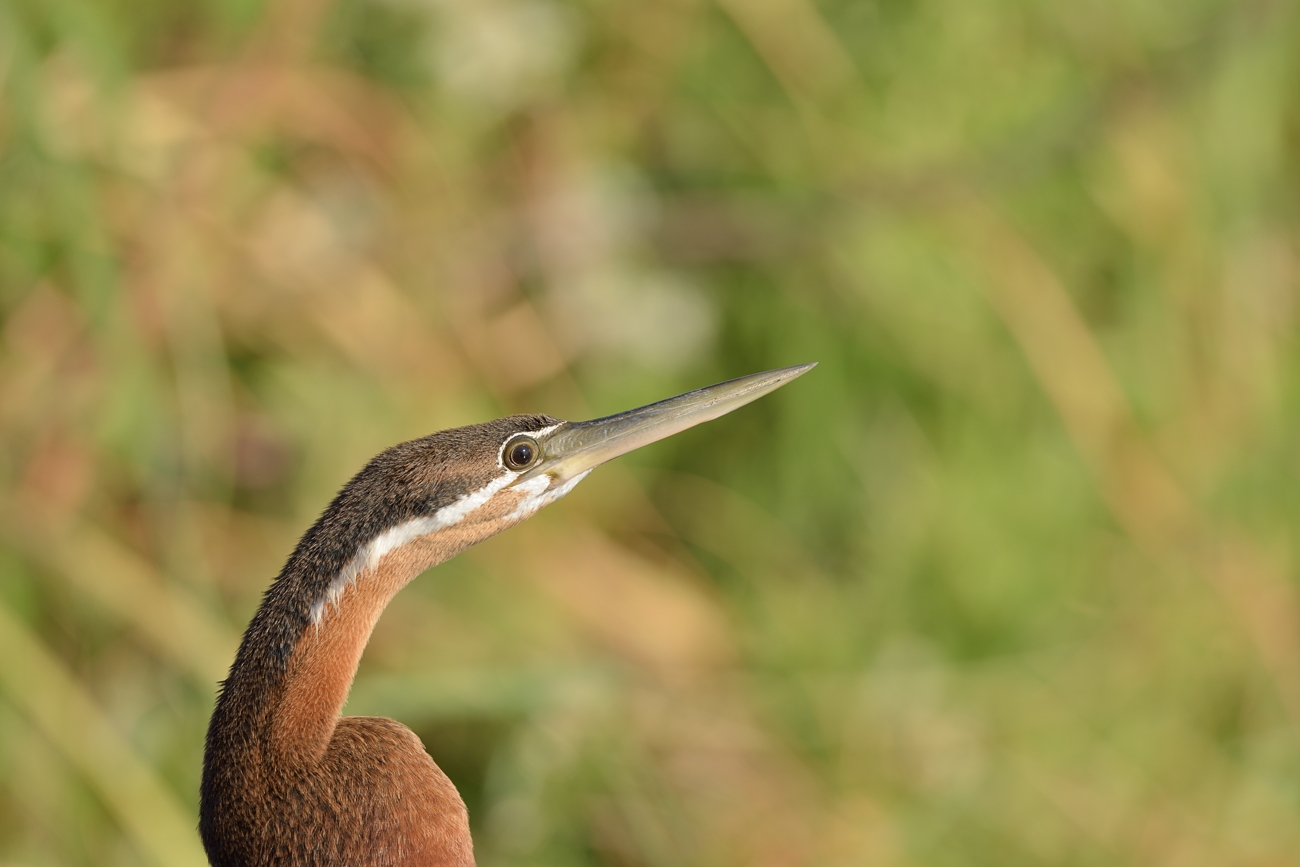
<point x="325" y="659"/>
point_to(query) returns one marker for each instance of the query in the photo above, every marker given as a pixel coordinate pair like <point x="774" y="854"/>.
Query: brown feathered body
<point x="287" y="782"/>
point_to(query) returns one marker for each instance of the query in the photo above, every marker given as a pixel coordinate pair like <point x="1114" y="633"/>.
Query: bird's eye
<point x="520" y="453"/>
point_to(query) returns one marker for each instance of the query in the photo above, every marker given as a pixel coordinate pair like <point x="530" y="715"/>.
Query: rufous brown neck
<point x="324" y="661"/>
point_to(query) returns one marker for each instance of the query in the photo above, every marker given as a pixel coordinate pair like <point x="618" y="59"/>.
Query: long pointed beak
<point x="576" y="447"/>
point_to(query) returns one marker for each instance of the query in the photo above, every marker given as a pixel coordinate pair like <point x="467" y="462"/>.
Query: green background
<point x="1010" y="578"/>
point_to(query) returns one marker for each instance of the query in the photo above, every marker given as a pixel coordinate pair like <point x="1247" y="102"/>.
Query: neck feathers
<point x="319" y="674"/>
<point x="300" y="653"/>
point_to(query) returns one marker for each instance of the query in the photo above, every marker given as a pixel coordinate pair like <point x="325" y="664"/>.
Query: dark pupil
<point x="521" y="454"/>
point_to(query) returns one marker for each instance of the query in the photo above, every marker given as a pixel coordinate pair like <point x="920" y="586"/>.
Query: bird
<point x="289" y="782"/>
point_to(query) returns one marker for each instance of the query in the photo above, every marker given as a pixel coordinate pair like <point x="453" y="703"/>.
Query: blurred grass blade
<point x="175" y="624"/>
<point x="1147" y="500"/>
<point x="123" y="583"/>
<point x="38" y="683"/>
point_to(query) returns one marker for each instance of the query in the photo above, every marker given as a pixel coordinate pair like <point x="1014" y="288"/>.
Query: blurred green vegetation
<point x="1009" y="579"/>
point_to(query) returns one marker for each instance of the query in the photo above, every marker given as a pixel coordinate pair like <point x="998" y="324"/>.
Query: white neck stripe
<point x="372" y="552"/>
<point x="536" y="493"/>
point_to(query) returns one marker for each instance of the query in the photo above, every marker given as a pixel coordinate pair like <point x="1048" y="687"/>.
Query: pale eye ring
<point x="520" y="452"/>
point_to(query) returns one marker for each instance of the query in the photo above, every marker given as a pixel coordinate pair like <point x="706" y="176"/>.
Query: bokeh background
<point x="1010" y="578"/>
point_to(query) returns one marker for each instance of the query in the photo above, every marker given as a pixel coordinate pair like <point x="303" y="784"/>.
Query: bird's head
<point x="446" y="491"/>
